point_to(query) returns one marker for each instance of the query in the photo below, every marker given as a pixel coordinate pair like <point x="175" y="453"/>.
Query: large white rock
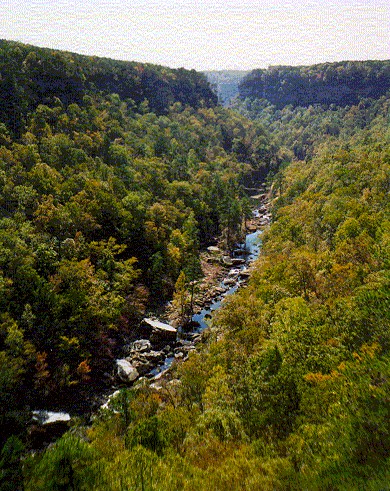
<point x="213" y="249"/>
<point x="160" y="326"/>
<point x="126" y="372"/>
<point x="48" y="417"/>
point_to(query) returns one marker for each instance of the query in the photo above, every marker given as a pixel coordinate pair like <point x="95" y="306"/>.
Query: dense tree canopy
<point x="341" y="83"/>
<point x="292" y="390"/>
<point x="105" y="200"/>
<point x="31" y="76"/>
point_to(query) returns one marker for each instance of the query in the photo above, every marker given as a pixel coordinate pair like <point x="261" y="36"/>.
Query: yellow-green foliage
<point x="294" y="394"/>
<point x="104" y="202"/>
<point x="292" y="391"/>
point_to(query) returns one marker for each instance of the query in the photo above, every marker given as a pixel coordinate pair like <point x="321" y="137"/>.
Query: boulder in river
<point x="126" y="371"/>
<point x="161" y="327"/>
<point x="142" y="366"/>
<point x="251" y="227"/>
<point x="48" y="417"/>
<point x="141" y="345"/>
<point x="229" y="281"/>
<point x="144" y="361"/>
<point x="46" y="427"/>
<point x="238" y="260"/>
<point x="213" y="249"/>
<point x="245" y="273"/>
<point x="227" y="260"/>
<point x="155" y="356"/>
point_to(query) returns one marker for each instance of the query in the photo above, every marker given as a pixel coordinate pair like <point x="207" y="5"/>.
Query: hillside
<point x="291" y="391"/>
<point x="30" y="76"/>
<point x="105" y="199"/>
<point x="341" y="83"/>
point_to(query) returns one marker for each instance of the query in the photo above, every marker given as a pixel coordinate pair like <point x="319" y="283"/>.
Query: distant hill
<point x="225" y="83"/>
<point x="341" y="83"/>
<point x="30" y="76"/>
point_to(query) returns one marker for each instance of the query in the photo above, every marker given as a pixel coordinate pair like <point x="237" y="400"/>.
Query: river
<point x="250" y="250"/>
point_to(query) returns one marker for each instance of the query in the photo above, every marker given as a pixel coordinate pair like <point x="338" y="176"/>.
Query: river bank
<point x="152" y="355"/>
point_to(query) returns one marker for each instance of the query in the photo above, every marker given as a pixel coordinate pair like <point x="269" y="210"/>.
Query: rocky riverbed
<point x="224" y="273"/>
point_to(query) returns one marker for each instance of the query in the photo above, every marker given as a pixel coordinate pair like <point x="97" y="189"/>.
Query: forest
<point x="103" y="203"/>
<point x="342" y="83"/>
<point x="31" y="76"/>
<point x="107" y="197"/>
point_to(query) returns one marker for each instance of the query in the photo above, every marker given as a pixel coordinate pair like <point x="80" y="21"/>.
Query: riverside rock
<point x="126" y="371"/>
<point x="227" y="260"/>
<point x="145" y="360"/>
<point x="214" y="249"/>
<point x="160" y="328"/>
<point x="46" y="427"/>
<point x="142" y="366"/>
<point x="245" y="273"/>
<point x="237" y="260"/>
<point x="141" y="345"/>
<point x="49" y="417"/>
<point x="229" y="281"/>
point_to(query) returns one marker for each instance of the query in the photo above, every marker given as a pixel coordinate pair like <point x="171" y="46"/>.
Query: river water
<point x="250" y="251"/>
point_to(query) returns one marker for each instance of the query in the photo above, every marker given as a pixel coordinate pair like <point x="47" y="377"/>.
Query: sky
<point x="205" y="34"/>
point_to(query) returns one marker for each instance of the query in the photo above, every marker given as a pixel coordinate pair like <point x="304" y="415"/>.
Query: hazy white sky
<point x="205" y="34"/>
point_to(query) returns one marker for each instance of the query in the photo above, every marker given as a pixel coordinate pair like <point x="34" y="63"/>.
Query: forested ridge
<point x="342" y="83"/>
<point x="32" y="76"/>
<point x="105" y="202"/>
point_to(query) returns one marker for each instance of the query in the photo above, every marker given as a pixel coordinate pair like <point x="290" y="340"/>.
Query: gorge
<point x="115" y="179"/>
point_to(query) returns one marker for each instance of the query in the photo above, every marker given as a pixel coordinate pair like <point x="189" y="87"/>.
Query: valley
<point x="201" y="291"/>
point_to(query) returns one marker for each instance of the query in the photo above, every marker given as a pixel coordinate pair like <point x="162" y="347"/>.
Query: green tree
<point x="181" y="298"/>
<point x="69" y="465"/>
<point x="11" y="475"/>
